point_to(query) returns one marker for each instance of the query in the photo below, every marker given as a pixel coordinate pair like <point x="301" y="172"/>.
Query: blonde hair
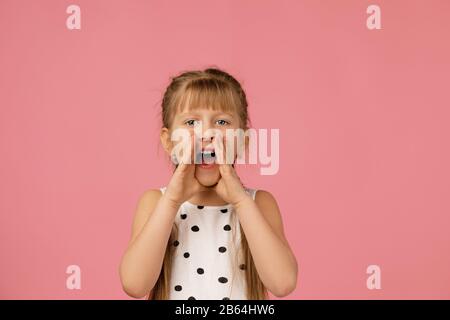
<point x="216" y="89"/>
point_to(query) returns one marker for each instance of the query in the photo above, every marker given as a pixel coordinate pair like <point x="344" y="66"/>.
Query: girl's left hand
<point x="229" y="187"/>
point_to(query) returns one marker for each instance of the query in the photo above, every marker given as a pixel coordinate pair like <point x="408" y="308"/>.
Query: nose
<point x="208" y="138"/>
<point x="208" y="134"/>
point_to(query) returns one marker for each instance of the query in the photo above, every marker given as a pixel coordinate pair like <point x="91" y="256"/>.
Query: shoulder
<point x="264" y="197"/>
<point x="268" y="206"/>
<point x="145" y="205"/>
<point x="147" y="201"/>
<point x="267" y="203"/>
<point x="149" y="196"/>
<point x="261" y="196"/>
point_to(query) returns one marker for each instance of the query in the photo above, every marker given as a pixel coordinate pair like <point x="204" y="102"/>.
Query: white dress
<point x="208" y="263"/>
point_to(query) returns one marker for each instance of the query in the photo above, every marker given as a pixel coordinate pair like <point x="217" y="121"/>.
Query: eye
<point x="222" y="122"/>
<point x="190" y="122"/>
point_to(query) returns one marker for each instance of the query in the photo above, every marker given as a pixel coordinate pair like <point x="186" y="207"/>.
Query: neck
<point x="208" y="197"/>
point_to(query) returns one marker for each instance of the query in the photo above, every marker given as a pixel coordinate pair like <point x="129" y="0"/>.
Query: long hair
<point x="216" y="89"/>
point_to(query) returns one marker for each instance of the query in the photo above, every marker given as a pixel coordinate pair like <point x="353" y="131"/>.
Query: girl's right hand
<point x="183" y="184"/>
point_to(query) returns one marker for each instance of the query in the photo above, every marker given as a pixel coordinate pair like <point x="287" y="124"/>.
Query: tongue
<point x="205" y="157"/>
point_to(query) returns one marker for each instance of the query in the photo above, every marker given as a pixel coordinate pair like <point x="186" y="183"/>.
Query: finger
<point x="187" y="151"/>
<point x="185" y="166"/>
<point x="219" y="149"/>
<point x="196" y="148"/>
<point x="225" y="170"/>
<point x="228" y="152"/>
<point x="180" y="169"/>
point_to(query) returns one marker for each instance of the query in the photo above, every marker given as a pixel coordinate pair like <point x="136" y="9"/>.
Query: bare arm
<point x="155" y="214"/>
<point x="263" y="228"/>
<point x="261" y="222"/>
<point x="142" y="262"/>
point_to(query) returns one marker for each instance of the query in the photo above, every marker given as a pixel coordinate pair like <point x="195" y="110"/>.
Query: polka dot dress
<point x="207" y="263"/>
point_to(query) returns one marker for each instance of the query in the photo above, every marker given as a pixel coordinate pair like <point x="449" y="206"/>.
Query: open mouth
<point x="206" y="159"/>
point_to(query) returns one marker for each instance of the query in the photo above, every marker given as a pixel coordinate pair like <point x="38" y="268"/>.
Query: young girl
<point x="205" y="235"/>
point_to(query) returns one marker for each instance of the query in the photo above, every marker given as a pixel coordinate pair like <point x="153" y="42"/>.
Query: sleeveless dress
<point x="208" y="262"/>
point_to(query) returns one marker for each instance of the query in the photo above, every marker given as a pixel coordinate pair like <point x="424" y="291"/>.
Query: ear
<point x="165" y="140"/>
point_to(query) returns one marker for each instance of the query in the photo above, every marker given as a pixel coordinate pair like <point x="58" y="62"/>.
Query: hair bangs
<point x="207" y="93"/>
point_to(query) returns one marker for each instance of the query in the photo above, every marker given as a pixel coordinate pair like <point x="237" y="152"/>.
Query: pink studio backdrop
<point x="363" y="118"/>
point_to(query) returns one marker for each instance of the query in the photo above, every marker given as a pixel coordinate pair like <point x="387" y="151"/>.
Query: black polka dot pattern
<point x="223" y="280"/>
<point x="192" y="220"/>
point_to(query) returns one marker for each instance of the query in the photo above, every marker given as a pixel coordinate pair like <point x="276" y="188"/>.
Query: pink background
<point x="363" y="118"/>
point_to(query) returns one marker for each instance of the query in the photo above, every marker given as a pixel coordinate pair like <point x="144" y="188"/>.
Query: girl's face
<point x="203" y="120"/>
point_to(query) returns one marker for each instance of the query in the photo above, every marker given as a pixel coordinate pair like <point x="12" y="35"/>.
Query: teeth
<point x="207" y="156"/>
<point x="209" y="153"/>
